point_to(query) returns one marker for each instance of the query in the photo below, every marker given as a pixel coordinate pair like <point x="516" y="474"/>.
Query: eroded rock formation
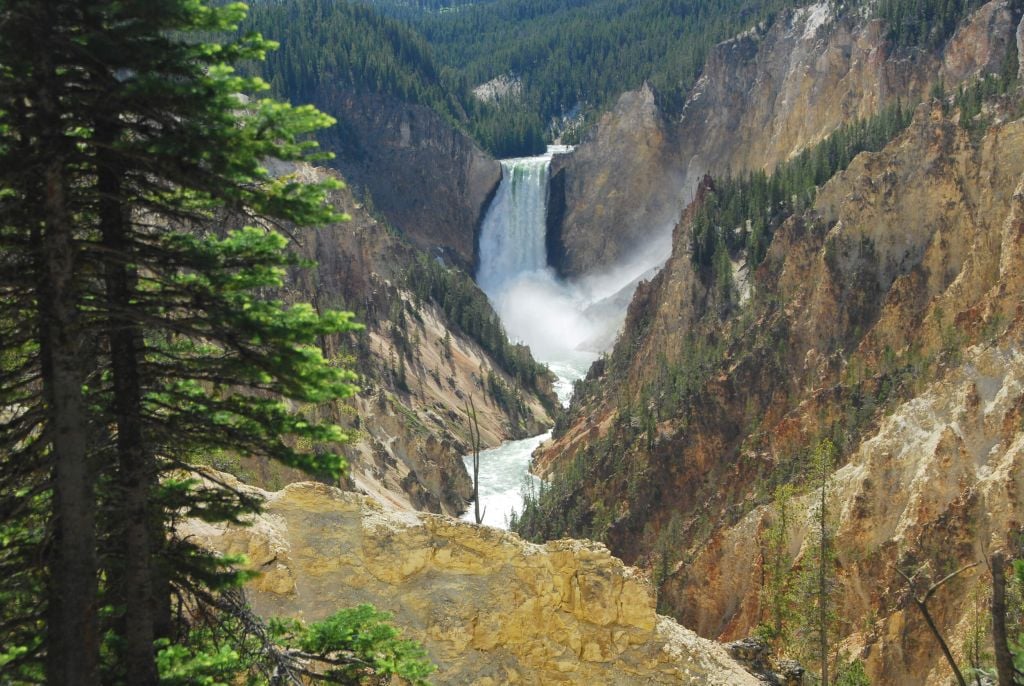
<point x="428" y="178"/>
<point x="762" y="97"/>
<point x="489" y="608"/>
<point x="888" y="319"/>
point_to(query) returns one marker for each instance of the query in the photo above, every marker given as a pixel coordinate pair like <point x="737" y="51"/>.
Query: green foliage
<point x="925" y="24"/>
<point x="179" y="666"/>
<point x="777" y="601"/>
<point x="851" y="674"/>
<point x="978" y="658"/>
<point x="328" y="46"/>
<point x="572" y="53"/>
<point x="1016" y="610"/>
<point x="157" y="191"/>
<point x="331" y="49"/>
<point x="970" y="100"/>
<point x="814" y="589"/>
<point x="667" y="552"/>
<point x="366" y="633"/>
<point x="225" y="643"/>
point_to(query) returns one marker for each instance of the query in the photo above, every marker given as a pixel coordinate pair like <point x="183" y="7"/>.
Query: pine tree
<point x="777" y="591"/>
<point x="815" y="586"/>
<point x="137" y="207"/>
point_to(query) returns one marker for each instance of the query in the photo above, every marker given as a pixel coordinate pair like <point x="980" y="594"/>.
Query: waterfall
<point x="535" y="306"/>
<point x="559" y="320"/>
<point x="512" y="238"/>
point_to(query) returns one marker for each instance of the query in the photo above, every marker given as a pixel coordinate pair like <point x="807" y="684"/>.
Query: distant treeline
<point x="332" y="46"/>
<point x="571" y="55"/>
<point x="924" y="24"/>
<point x="571" y="52"/>
<point x="327" y="45"/>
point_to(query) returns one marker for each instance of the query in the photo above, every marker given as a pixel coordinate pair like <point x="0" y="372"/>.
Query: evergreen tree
<point x="815" y="585"/>
<point x="777" y="591"/>
<point x="140" y="249"/>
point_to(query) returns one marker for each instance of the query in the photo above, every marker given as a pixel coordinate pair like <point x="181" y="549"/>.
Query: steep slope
<point x="488" y="607"/>
<point x="886" y="319"/>
<point x="762" y="97"/>
<point x="418" y="365"/>
<point x="400" y="138"/>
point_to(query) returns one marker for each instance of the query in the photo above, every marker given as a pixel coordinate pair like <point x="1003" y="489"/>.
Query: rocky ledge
<point x="489" y="607"/>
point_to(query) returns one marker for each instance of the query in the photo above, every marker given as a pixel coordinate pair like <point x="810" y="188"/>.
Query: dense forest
<point x="573" y="53"/>
<point x="328" y="48"/>
<point x="573" y="57"/>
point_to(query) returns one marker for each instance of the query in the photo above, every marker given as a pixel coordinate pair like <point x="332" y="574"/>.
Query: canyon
<point x="884" y="318"/>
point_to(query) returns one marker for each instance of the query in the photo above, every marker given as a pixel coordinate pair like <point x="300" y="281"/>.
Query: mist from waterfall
<point x="565" y="323"/>
<point x="558" y="319"/>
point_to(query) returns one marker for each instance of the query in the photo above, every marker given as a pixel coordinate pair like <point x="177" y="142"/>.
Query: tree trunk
<point x="1004" y="660"/>
<point x="72" y="645"/>
<point x="135" y="585"/>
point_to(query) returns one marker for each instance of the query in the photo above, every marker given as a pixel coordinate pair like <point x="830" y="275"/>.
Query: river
<point x="537" y="308"/>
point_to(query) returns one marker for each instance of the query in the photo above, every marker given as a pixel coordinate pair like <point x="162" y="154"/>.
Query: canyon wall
<point x="424" y="175"/>
<point x="407" y="423"/>
<point x="887" y="319"/>
<point x="762" y="98"/>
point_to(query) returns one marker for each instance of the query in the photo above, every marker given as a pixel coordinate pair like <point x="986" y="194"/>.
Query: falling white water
<point x="565" y="323"/>
<point x="534" y="305"/>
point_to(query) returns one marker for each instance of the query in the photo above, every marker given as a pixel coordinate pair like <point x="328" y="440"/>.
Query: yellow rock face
<point x="489" y="607"/>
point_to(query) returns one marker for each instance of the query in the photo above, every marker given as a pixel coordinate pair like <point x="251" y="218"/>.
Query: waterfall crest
<point x="557" y="319"/>
<point x="534" y="305"/>
<point x="512" y="238"/>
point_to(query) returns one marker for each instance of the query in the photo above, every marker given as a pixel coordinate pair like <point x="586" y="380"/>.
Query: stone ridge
<point x="489" y="608"/>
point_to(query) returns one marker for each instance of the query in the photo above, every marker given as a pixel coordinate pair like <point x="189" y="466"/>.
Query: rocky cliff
<point x="428" y="178"/>
<point x="615" y="191"/>
<point x="887" y="319"/>
<point x="408" y="425"/>
<point x="488" y="607"/>
<point x="762" y="97"/>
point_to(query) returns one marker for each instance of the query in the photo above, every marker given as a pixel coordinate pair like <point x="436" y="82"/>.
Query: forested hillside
<point x="586" y="52"/>
<point x="330" y="46"/>
<point x="574" y="57"/>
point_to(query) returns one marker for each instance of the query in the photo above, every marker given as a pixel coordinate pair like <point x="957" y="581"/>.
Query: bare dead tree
<point x="922" y="605"/>
<point x="1005" y="671"/>
<point x="474" y="440"/>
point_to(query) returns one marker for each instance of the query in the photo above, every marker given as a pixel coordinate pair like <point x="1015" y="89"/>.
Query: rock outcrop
<point x="611" y="194"/>
<point x="762" y="97"/>
<point x="886" y="318"/>
<point x="489" y="608"/>
<point x="428" y="178"/>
